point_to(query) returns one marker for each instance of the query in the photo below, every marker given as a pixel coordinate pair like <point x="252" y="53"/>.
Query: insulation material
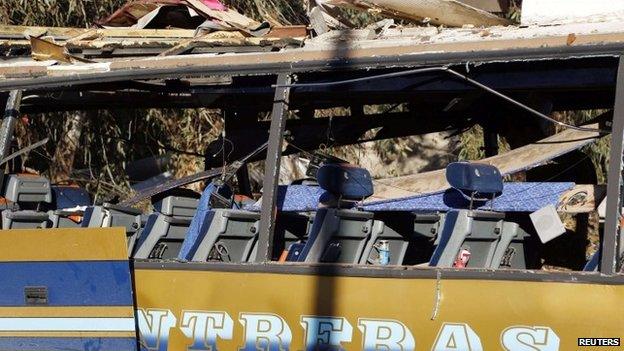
<point x="540" y="12"/>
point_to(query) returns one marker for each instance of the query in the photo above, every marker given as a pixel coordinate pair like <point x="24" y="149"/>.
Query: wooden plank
<point x="498" y="6"/>
<point x="582" y="199"/>
<point x="540" y="12"/>
<point x="440" y="12"/>
<point x="520" y="159"/>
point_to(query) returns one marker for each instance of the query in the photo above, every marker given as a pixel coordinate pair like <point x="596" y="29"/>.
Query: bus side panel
<point x="251" y="311"/>
<point x="65" y="289"/>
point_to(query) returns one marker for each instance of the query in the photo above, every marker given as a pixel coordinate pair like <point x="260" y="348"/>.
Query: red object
<point x="214" y="5"/>
<point x="462" y="259"/>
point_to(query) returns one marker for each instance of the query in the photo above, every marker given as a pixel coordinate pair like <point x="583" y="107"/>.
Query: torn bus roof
<point x="352" y="50"/>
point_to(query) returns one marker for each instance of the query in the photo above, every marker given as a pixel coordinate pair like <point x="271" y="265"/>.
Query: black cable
<point x="444" y="69"/>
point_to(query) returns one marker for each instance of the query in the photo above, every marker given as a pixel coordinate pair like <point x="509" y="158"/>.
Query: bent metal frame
<point x="612" y="242"/>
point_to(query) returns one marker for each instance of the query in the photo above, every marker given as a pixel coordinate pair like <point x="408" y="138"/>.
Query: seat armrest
<point x="129" y="210"/>
<point x="27" y="215"/>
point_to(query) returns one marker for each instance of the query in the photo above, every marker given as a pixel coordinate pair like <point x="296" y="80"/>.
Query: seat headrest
<point x="177" y="206"/>
<point x="477" y="179"/>
<point x="23" y="188"/>
<point x="346" y="181"/>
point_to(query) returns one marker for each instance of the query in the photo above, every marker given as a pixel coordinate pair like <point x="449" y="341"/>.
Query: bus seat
<point x="410" y="237"/>
<point x="109" y="215"/>
<point x="340" y="235"/>
<point x="477" y="232"/>
<point x="227" y="236"/>
<point x="28" y="194"/>
<point x="166" y="228"/>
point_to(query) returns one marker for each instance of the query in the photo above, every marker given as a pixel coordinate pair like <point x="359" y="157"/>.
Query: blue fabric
<point x="70" y="197"/>
<point x="193" y="239"/>
<point x="86" y="217"/>
<point x="445" y="236"/>
<point x="79" y="283"/>
<point x="593" y="263"/>
<point x="66" y="343"/>
<point x="295" y="198"/>
<point x="516" y="197"/>
<point x="197" y="223"/>
<point x="314" y="232"/>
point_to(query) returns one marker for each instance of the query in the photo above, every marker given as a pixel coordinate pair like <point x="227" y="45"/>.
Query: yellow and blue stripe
<point x="86" y="275"/>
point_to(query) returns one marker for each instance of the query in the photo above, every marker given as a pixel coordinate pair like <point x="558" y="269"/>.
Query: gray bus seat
<point x="488" y="239"/>
<point x="340" y="235"/>
<point x="166" y="228"/>
<point x="109" y="216"/>
<point x="410" y="237"/>
<point x="227" y="236"/>
<point x="27" y="195"/>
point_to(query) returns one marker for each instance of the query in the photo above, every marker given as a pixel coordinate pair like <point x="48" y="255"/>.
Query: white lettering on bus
<point x="457" y="337"/>
<point x="154" y="327"/>
<point x="523" y="338"/>
<point x="326" y="333"/>
<point x="270" y="332"/>
<point x="265" y="332"/>
<point x="384" y="334"/>
<point x="205" y="327"/>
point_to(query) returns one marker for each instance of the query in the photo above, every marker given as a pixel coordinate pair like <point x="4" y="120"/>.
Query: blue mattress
<point x="516" y="197"/>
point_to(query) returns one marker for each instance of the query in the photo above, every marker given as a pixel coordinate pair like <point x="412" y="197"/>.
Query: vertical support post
<point x="608" y="264"/>
<point x="272" y="169"/>
<point x="490" y="141"/>
<point x="11" y="114"/>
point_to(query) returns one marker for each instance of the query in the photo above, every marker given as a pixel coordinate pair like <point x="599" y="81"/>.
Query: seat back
<point x="227" y="236"/>
<point x="488" y="240"/>
<point x="28" y="194"/>
<point x="165" y="230"/>
<point x="410" y="237"/>
<point x="109" y="215"/>
<point x="340" y="235"/>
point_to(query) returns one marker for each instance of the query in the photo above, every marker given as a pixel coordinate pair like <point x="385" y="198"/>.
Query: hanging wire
<point x="447" y="70"/>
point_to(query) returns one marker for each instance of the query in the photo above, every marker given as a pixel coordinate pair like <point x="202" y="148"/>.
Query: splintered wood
<point x="440" y="12"/>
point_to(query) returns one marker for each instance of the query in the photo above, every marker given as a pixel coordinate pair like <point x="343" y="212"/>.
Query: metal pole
<point x="608" y="264"/>
<point x="272" y="169"/>
<point x="11" y="114"/>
